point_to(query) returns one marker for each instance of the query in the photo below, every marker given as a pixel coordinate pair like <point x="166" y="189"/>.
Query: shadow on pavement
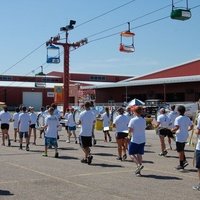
<point x="103" y="154"/>
<point x="67" y="158"/>
<point x="161" y="177"/>
<point x="105" y="165"/>
<point x="97" y="145"/>
<point x="67" y="148"/>
<point x="5" y="193"/>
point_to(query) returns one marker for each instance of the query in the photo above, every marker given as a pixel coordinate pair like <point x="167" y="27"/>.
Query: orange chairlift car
<point x="127" y="41"/>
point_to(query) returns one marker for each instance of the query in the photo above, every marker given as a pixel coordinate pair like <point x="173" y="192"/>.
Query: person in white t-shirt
<point x="5" y="118"/>
<point x="71" y="125"/>
<point x="15" y="123"/>
<point x="32" y="126"/>
<point x="87" y="121"/>
<point x="183" y="125"/>
<point x="162" y="124"/>
<point x="51" y="129"/>
<point x="106" y="117"/>
<point x="23" y="127"/>
<point x="66" y="123"/>
<point x="41" y="120"/>
<point x="172" y="116"/>
<point x="137" y="127"/>
<point x="121" y="125"/>
<point x="197" y="154"/>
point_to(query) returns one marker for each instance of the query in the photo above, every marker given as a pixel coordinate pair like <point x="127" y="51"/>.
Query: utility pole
<point x="66" y="46"/>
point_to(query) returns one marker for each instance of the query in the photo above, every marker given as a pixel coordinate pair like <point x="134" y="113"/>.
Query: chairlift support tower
<point x="66" y="46"/>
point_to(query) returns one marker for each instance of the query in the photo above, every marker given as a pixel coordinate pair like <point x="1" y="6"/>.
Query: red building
<point x="38" y="90"/>
<point x="174" y="84"/>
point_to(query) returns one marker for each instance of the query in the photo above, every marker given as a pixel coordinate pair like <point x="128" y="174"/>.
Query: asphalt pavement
<point x="30" y="176"/>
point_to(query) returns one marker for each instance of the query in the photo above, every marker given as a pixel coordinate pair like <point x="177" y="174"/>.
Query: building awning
<point x="157" y="81"/>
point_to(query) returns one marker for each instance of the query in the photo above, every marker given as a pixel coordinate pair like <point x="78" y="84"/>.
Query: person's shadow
<point x="5" y="193"/>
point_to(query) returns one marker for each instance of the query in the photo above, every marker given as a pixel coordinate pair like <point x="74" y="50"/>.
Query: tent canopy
<point x="135" y="102"/>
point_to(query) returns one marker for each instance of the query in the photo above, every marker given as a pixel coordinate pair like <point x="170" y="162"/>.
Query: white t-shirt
<point x="138" y="124"/>
<point x="52" y="124"/>
<point x="121" y="123"/>
<point x="106" y="119"/>
<point x="87" y="119"/>
<point x="16" y="120"/>
<point x="70" y="120"/>
<point x="33" y="118"/>
<point x="172" y="116"/>
<point x="163" y="120"/>
<point x="129" y="115"/>
<point x="66" y="117"/>
<point x="198" y="141"/>
<point x="5" y="117"/>
<point x="24" y="122"/>
<point x="182" y="133"/>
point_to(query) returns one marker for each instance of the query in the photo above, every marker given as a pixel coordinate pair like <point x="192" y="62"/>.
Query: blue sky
<point x="27" y="24"/>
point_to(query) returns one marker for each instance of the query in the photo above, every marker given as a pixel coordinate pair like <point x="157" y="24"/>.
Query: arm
<point x="175" y="129"/>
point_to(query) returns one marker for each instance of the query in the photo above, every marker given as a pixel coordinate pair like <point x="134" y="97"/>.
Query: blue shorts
<point x="197" y="159"/>
<point x="136" y="148"/>
<point x="71" y="128"/>
<point x="51" y="142"/>
<point x="21" y="134"/>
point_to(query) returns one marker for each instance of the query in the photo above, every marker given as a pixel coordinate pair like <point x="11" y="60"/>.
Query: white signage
<point x="50" y="94"/>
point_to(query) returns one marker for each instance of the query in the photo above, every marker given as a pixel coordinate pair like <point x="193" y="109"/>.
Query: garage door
<point x="32" y="99"/>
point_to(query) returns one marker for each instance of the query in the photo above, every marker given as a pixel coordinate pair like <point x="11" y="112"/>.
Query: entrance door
<point x="33" y="99"/>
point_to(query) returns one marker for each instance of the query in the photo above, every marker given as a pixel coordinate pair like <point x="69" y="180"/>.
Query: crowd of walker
<point x="129" y="125"/>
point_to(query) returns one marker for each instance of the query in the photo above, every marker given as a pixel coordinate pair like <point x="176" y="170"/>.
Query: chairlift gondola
<point x="53" y="54"/>
<point x="40" y="79"/>
<point x="127" y="41"/>
<point x="180" y="13"/>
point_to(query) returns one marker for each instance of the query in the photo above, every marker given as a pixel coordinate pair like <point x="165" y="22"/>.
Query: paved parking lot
<point x="28" y="175"/>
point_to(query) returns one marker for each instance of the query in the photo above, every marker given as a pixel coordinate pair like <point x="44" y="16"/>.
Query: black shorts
<point x="85" y="141"/>
<point x="23" y="134"/>
<point x="121" y="135"/>
<point x="5" y="126"/>
<point x="197" y="159"/>
<point x="180" y="146"/>
<point x="32" y="126"/>
<point x="166" y="132"/>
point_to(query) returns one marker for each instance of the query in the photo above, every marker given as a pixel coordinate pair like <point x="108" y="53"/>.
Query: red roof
<point x="187" y="69"/>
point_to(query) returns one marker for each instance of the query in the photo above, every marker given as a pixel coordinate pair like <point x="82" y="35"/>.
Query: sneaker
<point x="179" y="167"/>
<point x="84" y="160"/>
<point x="119" y="158"/>
<point x="67" y="141"/>
<point x="56" y="155"/>
<point x="139" y="168"/>
<point x="76" y="142"/>
<point x="27" y="148"/>
<point x="89" y="160"/>
<point x="196" y="187"/>
<point x="164" y="153"/>
<point x="44" y="154"/>
<point x="185" y="163"/>
<point x="138" y="174"/>
<point x="124" y="157"/>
